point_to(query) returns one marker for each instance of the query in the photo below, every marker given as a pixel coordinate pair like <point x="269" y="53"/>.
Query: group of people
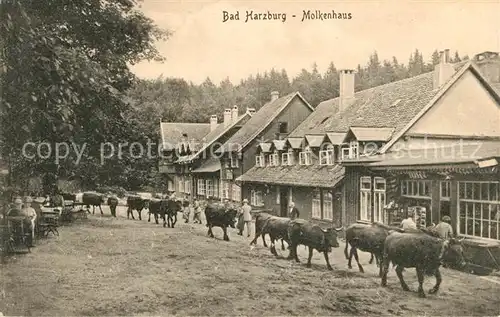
<point x="28" y="215"/>
<point x="443" y="229"/>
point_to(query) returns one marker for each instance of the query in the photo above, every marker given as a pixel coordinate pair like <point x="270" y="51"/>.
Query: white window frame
<point x="236" y="192"/>
<point x="256" y="198"/>
<point x="351" y="151"/>
<point x="225" y="189"/>
<point x="181" y="184"/>
<point x="316" y="205"/>
<point x="327" y="205"/>
<point x="201" y="187"/>
<point x="234" y="161"/>
<point x="216" y="188"/>
<point x="260" y="160"/>
<point x="187" y="186"/>
<point x="274" y="160"/>
<point x="379" y="199"/>
<point x="305" y="157"/>
<point x="480" y="208"/>
<point x="170" y="186"/>
<point x="287" y="158"/>
<point x="209" y="188"/>
<point x="326" y="157"/>
<point x="365" y="202"/>
<point x="416" y="188"/>
<point x="445" y="190"/>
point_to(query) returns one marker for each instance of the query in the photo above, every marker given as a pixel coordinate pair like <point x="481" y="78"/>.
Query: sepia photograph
<point x="249" y="158"/>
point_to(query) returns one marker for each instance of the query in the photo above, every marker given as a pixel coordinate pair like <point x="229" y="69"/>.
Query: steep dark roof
<point x="171" y="132"/>
<point x="296" y="175"/>
<point x="258" y="122"/>
<point x="213" y="136"/>
<point x="209" y="166"/>
<point x="391" y="105"/>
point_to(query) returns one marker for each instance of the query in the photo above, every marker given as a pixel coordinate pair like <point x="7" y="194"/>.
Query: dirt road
<point x="109" y="266"/>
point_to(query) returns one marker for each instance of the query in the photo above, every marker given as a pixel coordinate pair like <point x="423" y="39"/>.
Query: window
<point x="305" y="157"/>
<point x="416" y="188"/>
<point x="316" y="205"/>
<point x="326" y="157"/>
<point x="201" y="187"/>
<point x="260" y="161"/>
<point x="278" y="195"/>
<point x="187" y="186"/>
<point x="365" y="199"/>
<point x="209" y="188"/>
<point x="236" y="193"/>
<point x="479" y="209"/>
<point x="274" y="160"/>
<point x="287" y="158"/>
<point x="170" y="186"/>
<point x="283" y="127"/>
<point x="327" y="205"/>
<point x="180" y="184"/>
<point x="234" y="161"/>
<point x="445" y="190"/>
<point x="256" y="198"/>
<point x="216" y="188"/>
<point x="350" y="152"/>
<point x="379" y="198"/>
<point x="225" y="190"/>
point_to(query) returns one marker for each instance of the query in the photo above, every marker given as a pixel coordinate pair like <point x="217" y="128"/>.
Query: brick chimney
<point x="346" y="90"/>
<point x="213" y="122"/>
<point x="251" y="111"/>
<point x="234" y="114"/>
<point x="227" y="117"/>
<point x="489" y="64"/>
<point x="274" y="95"/>
<point x="444" y="70"/>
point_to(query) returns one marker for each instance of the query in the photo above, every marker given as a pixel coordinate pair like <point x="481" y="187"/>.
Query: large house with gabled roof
<point x="273" y="121"/>
<point x="352" y="158"/>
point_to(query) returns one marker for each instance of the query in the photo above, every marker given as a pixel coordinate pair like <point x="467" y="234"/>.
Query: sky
<point x="202" y="45"/>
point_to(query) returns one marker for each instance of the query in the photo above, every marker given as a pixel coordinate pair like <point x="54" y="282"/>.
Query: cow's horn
<point x="339" y="229"/>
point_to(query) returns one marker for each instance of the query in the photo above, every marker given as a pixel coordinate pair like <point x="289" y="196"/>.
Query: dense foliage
<point x="175" y="99"/>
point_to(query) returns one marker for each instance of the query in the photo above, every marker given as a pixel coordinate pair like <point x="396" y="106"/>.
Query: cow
<point x="136" y="203"/>
<point x="218" y="216"/>
<point x="156" y="206"/>
<point x="303" y="232"/>
<point x="424" y="252"/>
<point x="69" y="196"/>
<point x="277" y="228"/>
<point x="112" y="203"/>
<point x="260" y="221"/>
<point x="169" y="213"/>
<point x="93" y="199"/>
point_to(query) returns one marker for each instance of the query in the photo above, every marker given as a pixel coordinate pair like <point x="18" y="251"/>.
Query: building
<point x="275" y="120"/>
<point x="349" y="145"/>
<point x="189" y="161"/>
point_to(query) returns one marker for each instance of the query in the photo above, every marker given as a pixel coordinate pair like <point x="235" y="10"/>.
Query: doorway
<point x="283" y="201"/>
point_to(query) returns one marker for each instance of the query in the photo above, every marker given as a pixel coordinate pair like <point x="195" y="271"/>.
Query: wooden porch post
<point x="436" y="201"/>
<point x="454" y="204"/>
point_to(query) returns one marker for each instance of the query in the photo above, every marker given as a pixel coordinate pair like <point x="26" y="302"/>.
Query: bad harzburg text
<point x="251" y="15"/>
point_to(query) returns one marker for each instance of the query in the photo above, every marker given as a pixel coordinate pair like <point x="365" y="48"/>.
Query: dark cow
<point x="423" y="252"/>
<point x="171" y="210"/>
<point x="157" y="207"/>
<point x="93" y="199"/>
<point x="277" y="228"/>
<point x="303" y="232"/>
<point x="112" y="203"/>
<point x="69" y="196"/>
<point x="218" y="216"/>
<point x="136" y="203"/>
<point x="368" y="238"/>
<point x="260" y="221"/>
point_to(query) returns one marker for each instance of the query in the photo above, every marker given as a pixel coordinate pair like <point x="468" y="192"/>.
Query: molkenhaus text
<point x="318" y="15"/>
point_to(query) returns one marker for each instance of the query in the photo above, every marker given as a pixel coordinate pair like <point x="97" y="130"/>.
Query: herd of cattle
<point x="420" y="249"/>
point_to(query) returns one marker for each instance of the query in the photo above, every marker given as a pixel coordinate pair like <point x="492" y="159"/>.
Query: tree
<point x="65" y="74"/>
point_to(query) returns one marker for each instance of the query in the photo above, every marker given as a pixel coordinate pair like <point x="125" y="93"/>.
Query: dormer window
<point x="274" y="159"/>
<point x="351" y="152"/>
<point x="287" y="158"/>
<point x="260" y="160"/>
<point x="326" y="157"/>
<point x="234" y="161"/>
<point x="305" y="156"/>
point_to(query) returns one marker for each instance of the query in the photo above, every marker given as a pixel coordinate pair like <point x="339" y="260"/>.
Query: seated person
<point x="19" y="211"/>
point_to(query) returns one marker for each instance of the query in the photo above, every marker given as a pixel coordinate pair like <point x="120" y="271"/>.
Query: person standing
<point x="293" y="211"/>
<point x="246" y="218"/>
<point x="444" y="228"/>
<point x="408" y="223"/>
<point x="185" y="212"/>
<point x="196" y="211"/>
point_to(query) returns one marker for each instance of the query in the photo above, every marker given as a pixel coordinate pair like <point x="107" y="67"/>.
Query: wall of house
<point x="467" y="108"/>
<point x="350" y="201"/>
<point x="413" y="143"/>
